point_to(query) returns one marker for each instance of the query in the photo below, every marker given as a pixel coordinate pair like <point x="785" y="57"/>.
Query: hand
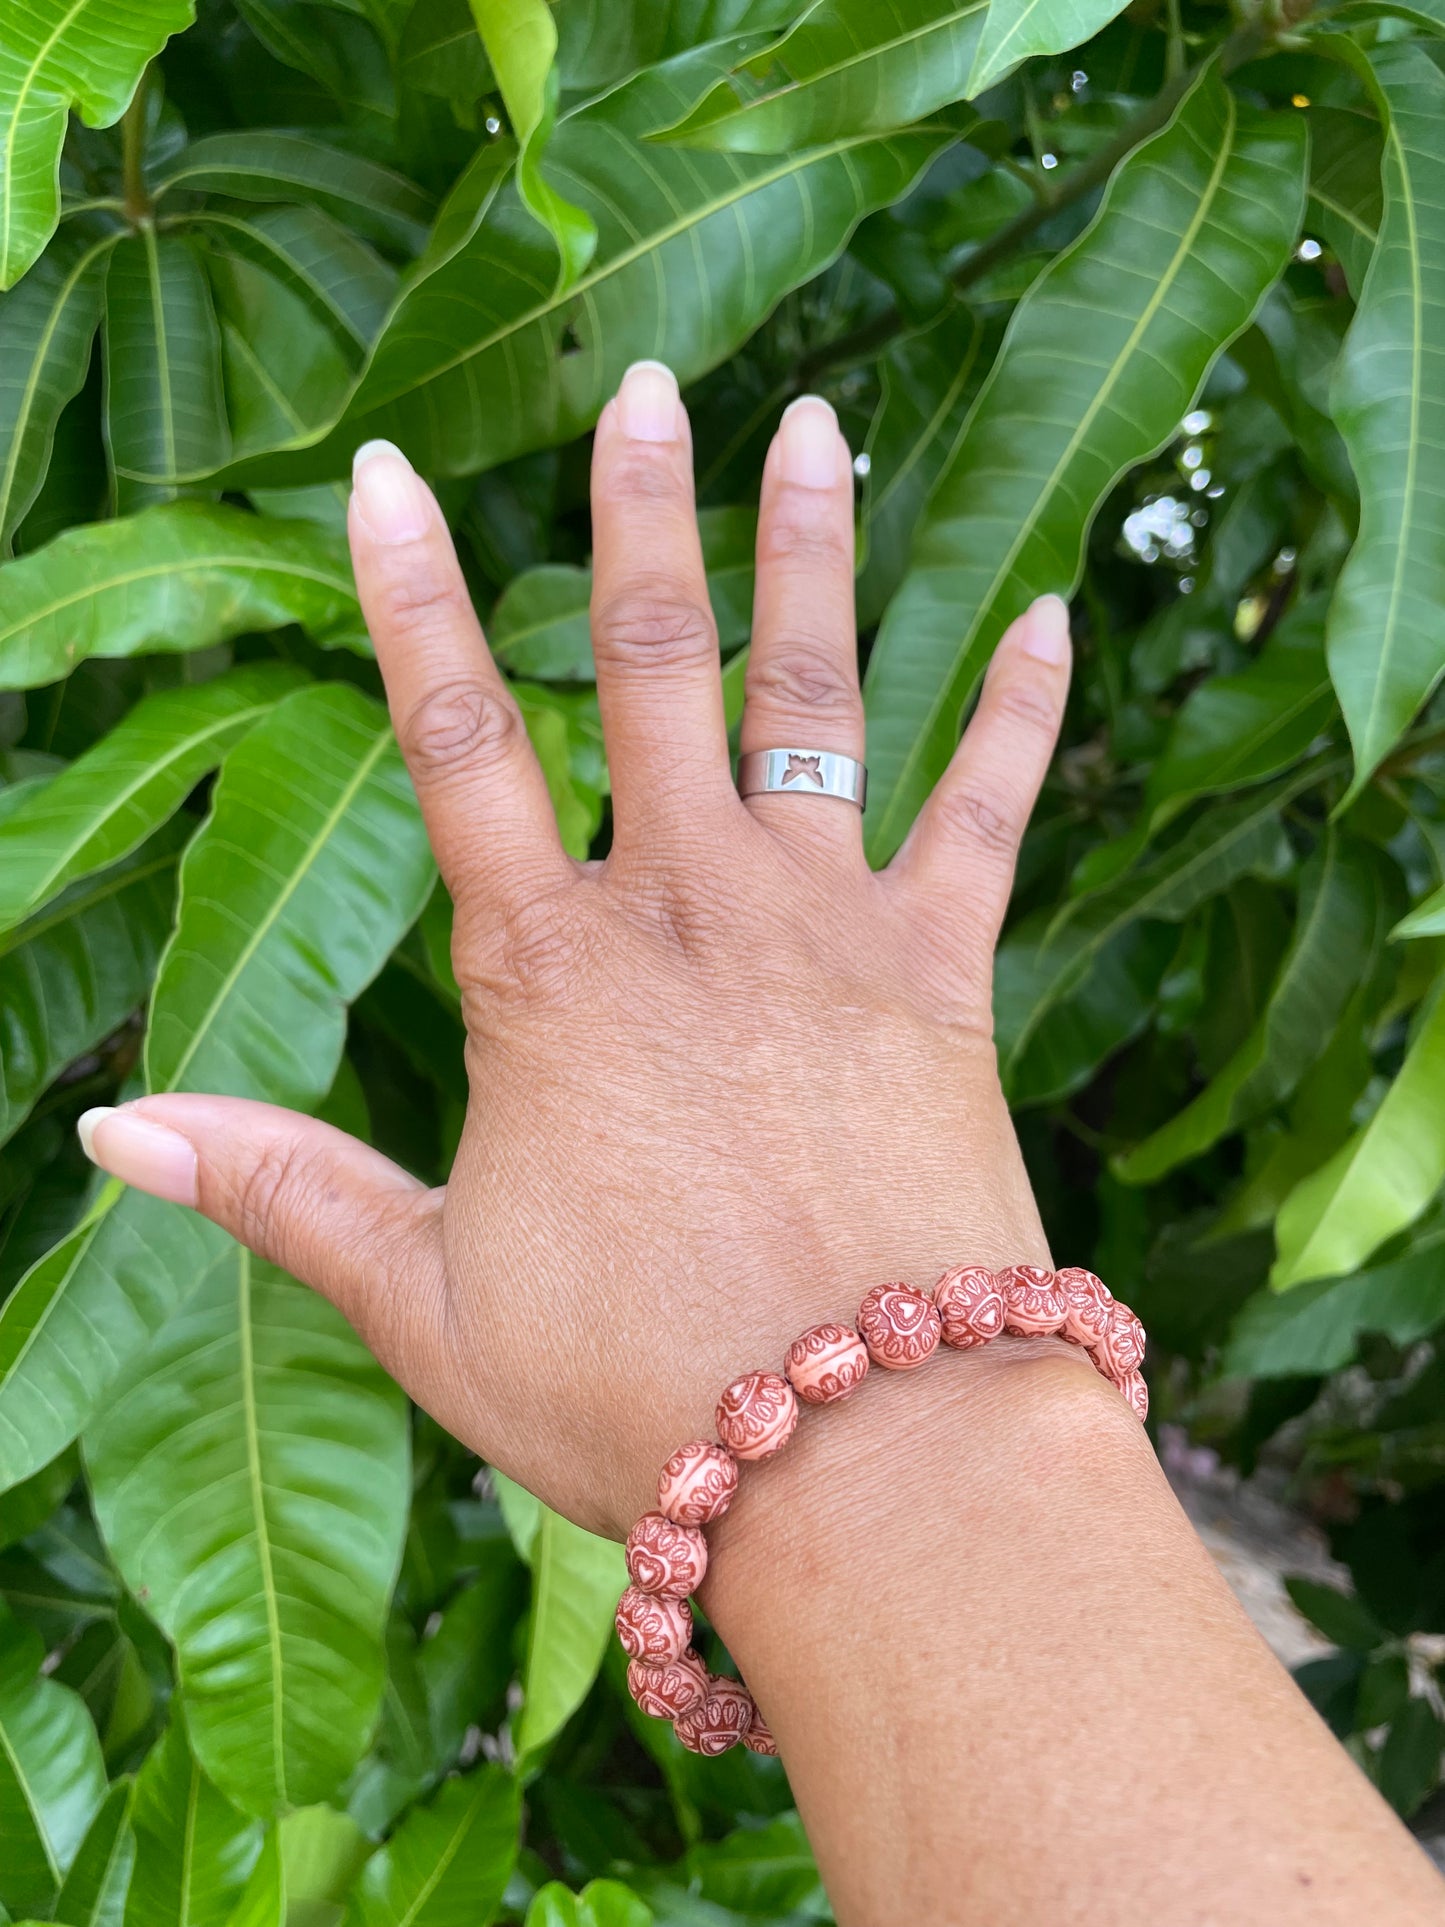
<point x="722" y="1081"/>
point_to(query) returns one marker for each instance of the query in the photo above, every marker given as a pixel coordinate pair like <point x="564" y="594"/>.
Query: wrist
<point x="857" y="1500"/>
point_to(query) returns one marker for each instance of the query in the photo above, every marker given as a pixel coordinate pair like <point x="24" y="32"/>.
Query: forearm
<point x="1009" y="1684"/>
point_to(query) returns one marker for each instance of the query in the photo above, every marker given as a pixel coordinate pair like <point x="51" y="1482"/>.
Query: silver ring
<point x="802" y="772"/>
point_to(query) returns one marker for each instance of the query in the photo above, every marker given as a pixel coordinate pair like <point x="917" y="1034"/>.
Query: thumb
<point x="321" y="1205"/>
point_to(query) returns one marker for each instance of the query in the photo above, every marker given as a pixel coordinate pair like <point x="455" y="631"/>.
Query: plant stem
<point x="1174" y="51"/>
<point x="865" y="342"/>
<point x="137" y="203"/>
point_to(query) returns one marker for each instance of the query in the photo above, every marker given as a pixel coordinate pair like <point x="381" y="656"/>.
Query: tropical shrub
<point x="1147" y="308"/>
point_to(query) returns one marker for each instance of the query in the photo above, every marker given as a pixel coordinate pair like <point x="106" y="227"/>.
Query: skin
<point x="721" y="1083"/>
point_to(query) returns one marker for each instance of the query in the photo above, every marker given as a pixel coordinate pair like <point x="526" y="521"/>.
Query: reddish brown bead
<point x="900" y="1326"/>
<point x="1088" y="1305"/>
<point x="667" y="1688"/>
<point x="756" y="1415"/>
<point x="970" y="1306"/>
<point x="651" y="1627"/>
<point x="665" y="1557"/>
<point x="720" y="1722"/>
<point x="697" y="1484"/>
<point x="1121" y="1348"/>
<point x="1033" y="1304"/>
<point x="827" y="1362"/>
<point x="1137" y="1393"/>
<point x="759" y="1736"/>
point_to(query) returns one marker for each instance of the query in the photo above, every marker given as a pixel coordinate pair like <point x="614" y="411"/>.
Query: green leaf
<point x="78" y="969"/>
<point x="194" y="1850"/>
<point x="1341" y="1617"/>
<point x="309" y="870"/>
<point x="88" y="55"/>
<point x="848" y="67"/>
<point x="95" y="1888"/>
<point x="47" y="325"/>
<point x="165" y="409"/>
<point x="577" y="1580"/>
<point x="520" y="37"/>
<point x="52" y="1778"/>
<point x="284" y="368"/>
<point x="346" y="284"/>
<point x="762" y="1871"/>
<point x="541" y="625"/>
<point x="1409" y="1766"/>
<point x="1018" y="29"/>
<point x="577" y="817"/>
<point x="1052" y="1040"/>
<point x="1345" y="199"/>
<point x="601" y="1903"/>
<point x="929" y="382"/>
<point x="1314" y="1328"/>
<point x="84" y="1309"/>
<point x="1377" y="1183"/>
<point x="181" y="576"/>
<point x="1100" y="363"/>
<point x="478" y="364"/>
<point x="322" y="1851"/>
<point x="1384" y="640"/>
<point x="1338" y="909"/>
<point x="1427" y="919"/>
<point x="448" y="1863"/>
<point x="1229" y="841"/>
<point x="250" y="1476"/>
<point x="1231" y="732"/>
<point x="105" y="803"/>
<point x="272" y="164"/>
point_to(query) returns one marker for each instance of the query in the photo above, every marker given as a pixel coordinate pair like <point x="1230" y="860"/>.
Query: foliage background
<point x="272" y="1647"/>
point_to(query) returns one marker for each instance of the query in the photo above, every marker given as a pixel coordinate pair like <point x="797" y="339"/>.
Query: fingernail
<point x="1046" y="631"/>
<point x="147" y="1155"/>
<point x="391" y="497"/>
<point x="808" y="443"/>
<point x="647" y="403"/>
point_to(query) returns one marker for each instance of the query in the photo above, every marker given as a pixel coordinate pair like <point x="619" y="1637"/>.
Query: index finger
<point x="480" y="786"/>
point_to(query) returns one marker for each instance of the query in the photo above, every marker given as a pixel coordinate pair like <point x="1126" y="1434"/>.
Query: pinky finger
<point x="957" y="866"/>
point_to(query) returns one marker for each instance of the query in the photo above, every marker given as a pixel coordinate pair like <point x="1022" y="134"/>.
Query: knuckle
<point x="279" y="1186"/>
<point x="815" y="546"/>
<point x="978" y="822"/>
<point x="418" y="606"/>
<point x="459" y="723"/>
<point x="645" y="473"/>
<point x="536" y="954"/>
<point x="1023" y="703"/>
<point x="651" y="626"/>
<point x="803" y="676"/>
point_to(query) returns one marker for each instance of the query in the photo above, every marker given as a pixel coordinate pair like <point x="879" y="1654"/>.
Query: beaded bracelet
<point x="897" y="1327"/>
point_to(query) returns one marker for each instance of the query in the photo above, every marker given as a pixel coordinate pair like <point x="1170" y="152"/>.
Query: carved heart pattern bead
<point x="666" y="1558"/>
<point x="1136" y="1392"/>
<point x="900" y="1326"/>
<point x="720" y="1722"/>
<point x="827" y="1362"/>
<point x="651" y="1627"/>
<point x="1088" y="1305"/>
<point x="697" y="1484"/>
<point x="1033" y="1304"/>
<point x="667" y="1688"/>
<point x="1121" y="1349"/>
<point x="756" y="1415"/>
<point x="759" y="1736"/>
<point x="970" y="1305"/>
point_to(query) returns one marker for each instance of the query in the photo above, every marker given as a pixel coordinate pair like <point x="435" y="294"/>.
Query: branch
<point x="137" y="201"/>
<point x="865" y="342"/>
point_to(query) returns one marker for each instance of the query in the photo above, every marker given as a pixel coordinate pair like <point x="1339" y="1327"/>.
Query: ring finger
<point x="802" y="678"/>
